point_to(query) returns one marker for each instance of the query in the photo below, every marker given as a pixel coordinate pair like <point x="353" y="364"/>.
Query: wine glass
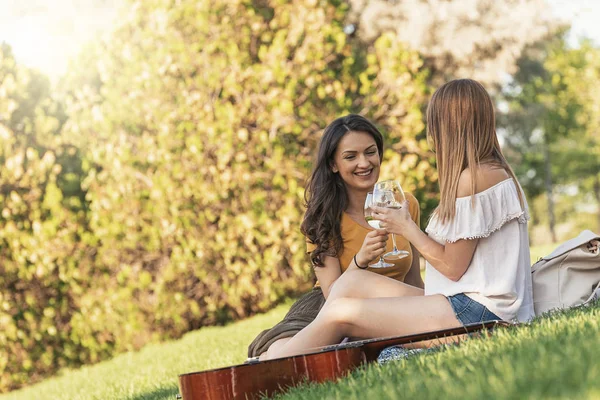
<point x="396" y="189"/>
<point x="374" y="223"/>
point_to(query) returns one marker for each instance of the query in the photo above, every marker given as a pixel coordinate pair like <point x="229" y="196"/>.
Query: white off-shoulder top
<point x="499" y="276"/>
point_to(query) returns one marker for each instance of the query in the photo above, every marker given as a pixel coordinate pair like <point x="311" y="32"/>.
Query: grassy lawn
<point x="151" y="373"/>
<point x="554" y="357"/>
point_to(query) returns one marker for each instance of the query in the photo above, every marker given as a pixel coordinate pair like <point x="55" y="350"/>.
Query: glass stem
<point x="394" y="242"/>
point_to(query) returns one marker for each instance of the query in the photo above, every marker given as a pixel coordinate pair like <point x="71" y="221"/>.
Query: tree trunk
<point x="548" y="168"/>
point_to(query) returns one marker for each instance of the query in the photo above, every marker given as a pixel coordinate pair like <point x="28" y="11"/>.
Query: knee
<point x="341" y="312"/>
<point x="347" y="285"/>
<point x="274" y="348"/>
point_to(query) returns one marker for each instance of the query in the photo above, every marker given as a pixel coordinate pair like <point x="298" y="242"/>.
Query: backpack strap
<point x="584" y="237"/>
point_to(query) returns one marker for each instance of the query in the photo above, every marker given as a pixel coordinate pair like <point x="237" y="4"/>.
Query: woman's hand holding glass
<point x="396" y="202"/>
<point x="374" y="198"/>
<point x="394" y="220"/>
<point x="373" y="247"/>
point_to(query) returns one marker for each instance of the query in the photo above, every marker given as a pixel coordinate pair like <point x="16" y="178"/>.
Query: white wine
<point x="373" y="222"/>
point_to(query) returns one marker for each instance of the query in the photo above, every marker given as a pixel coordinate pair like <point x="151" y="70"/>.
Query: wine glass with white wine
<point x="398" y="196"/>
<point x="374" y="199"/>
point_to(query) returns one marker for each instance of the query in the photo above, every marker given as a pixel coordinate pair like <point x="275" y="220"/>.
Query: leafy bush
<point x="171" y="197"/>
<point x="42" y="217"/>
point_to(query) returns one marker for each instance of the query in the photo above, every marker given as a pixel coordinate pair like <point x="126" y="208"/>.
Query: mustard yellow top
<point x="353" y="236"/>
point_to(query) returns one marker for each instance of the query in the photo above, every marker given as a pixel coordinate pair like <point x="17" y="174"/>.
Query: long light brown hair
<point x="461" y="125"/>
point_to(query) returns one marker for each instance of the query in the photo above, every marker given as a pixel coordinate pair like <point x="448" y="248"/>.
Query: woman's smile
<point x="364" y="174"/>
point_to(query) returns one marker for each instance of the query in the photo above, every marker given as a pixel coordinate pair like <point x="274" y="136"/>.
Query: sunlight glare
<point x="48" y="35"/>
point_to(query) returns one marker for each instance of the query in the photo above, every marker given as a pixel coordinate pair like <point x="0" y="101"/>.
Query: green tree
<point x="578" y="152"/>
<point x="552" y="118"/>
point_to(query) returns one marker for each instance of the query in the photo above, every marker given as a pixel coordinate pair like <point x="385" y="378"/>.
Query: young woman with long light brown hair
<point x="477" y="250"/>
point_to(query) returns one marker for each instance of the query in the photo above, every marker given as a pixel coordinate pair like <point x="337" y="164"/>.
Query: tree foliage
<point x="40" y="222"/>
<point x="553" y="113"/>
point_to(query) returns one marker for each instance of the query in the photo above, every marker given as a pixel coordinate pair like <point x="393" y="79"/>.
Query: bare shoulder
<point x="487" y="177"/>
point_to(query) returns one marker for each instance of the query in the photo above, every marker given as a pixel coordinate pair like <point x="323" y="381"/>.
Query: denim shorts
<point x="469" y="311"/>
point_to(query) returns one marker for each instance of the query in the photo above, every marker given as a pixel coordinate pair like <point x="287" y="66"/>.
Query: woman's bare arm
<point x="413" y="277"/>
<point x="451" y="259"/>
<point x="328" y="274"/>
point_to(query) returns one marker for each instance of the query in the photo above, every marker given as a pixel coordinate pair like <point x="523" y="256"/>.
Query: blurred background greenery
<point x="152" y="183"/>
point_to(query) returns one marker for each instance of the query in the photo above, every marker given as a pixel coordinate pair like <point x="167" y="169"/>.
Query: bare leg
<point x="358" y="283"/>
<point x="369" y="318"/>
<point x="274" y="348"/>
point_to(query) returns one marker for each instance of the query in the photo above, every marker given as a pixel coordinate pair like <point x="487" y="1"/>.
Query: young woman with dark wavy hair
<point x="339" y="240"/>
<point x="477" y="250"/>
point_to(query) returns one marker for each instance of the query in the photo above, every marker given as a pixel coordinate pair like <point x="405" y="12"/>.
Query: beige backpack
<point x="569" y="276"/>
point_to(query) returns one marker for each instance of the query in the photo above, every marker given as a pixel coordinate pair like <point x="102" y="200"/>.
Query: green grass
<point x="554" y="357"/>
<point x="542" y="250"/>
<point x="151" y="374"/>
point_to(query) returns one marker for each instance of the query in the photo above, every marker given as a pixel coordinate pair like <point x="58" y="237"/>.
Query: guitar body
<point x="249" y="381"/>
<point x="252" y="381"/>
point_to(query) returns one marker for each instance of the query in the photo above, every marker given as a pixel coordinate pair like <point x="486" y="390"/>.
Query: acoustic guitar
<point x="265" y="378"/>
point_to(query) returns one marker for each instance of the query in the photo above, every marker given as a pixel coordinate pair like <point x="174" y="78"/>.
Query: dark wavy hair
<point x="325" y="196"/>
